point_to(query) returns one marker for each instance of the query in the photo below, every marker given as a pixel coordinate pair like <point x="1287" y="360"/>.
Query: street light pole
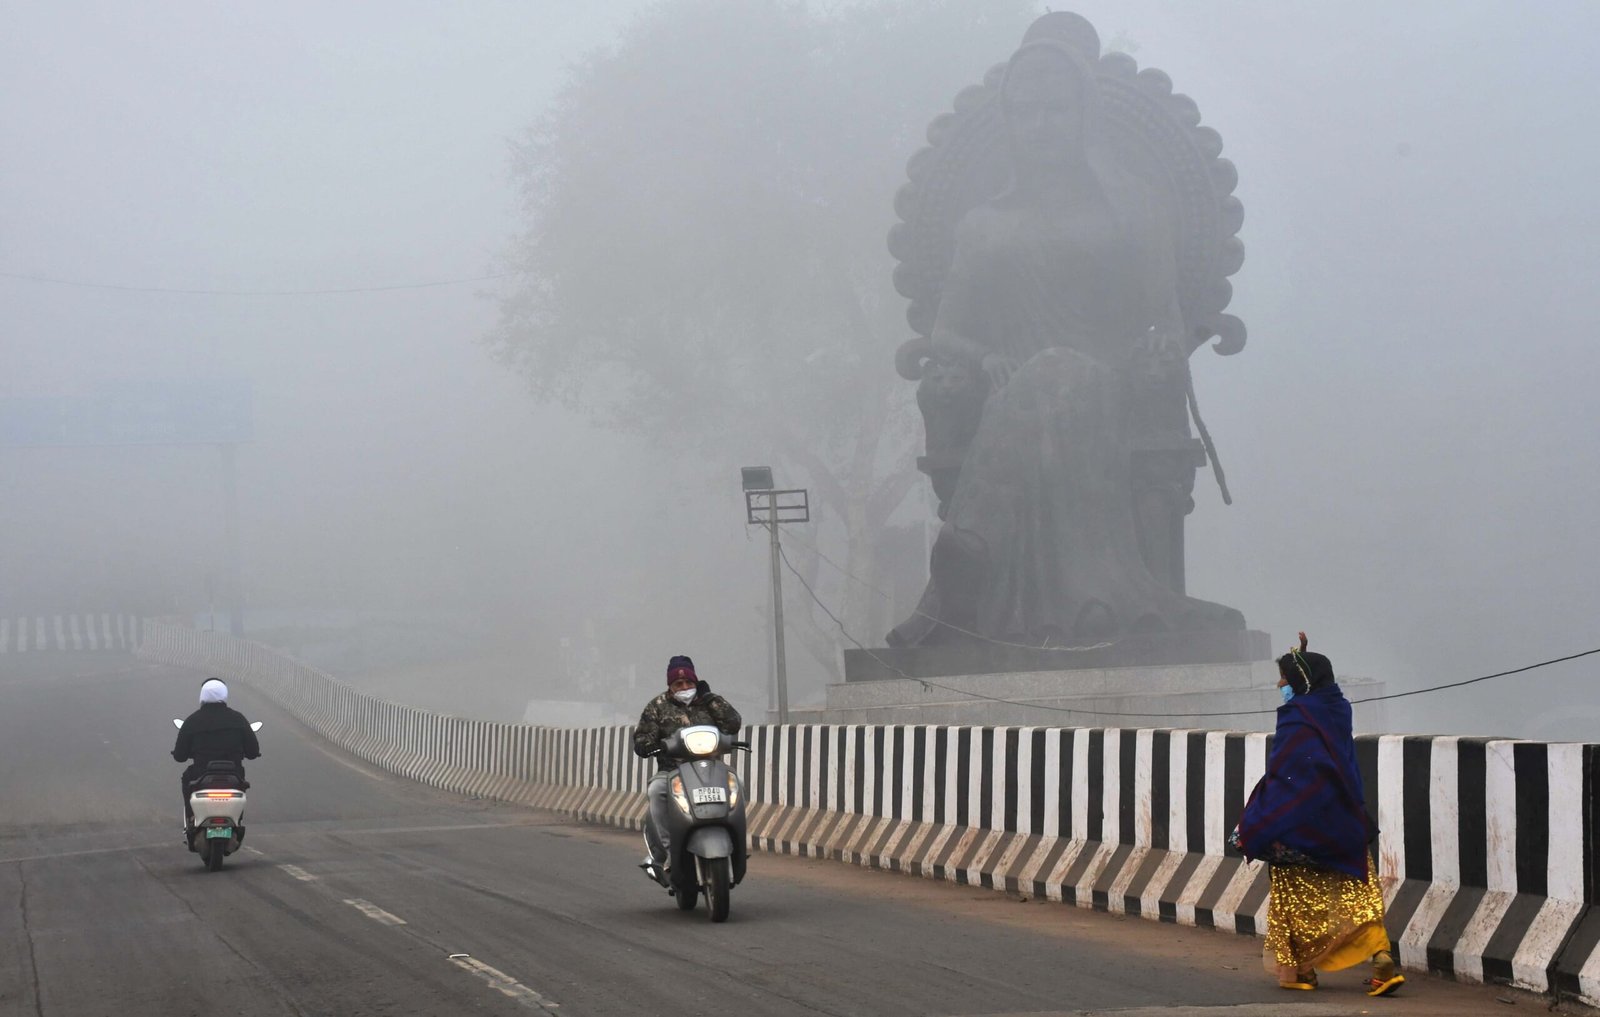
<point x="777" y="613"/>
<point x="779" y="507"/>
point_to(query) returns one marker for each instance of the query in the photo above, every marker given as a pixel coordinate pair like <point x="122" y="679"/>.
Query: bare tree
<point x="702" y="257"/>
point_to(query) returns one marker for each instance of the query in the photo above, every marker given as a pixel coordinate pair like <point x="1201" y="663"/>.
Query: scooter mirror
<point x="177" y="723"/>
<point x="255" y="725"/>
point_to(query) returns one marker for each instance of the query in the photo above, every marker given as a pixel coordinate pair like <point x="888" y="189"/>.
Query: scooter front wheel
<point x="719" y="886"/>
<point x="685" y="892"/>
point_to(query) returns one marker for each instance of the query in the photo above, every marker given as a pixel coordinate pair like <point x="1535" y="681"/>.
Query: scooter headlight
<point x="703" y="741"/>
<point x="678" y="796"/>
<point x="733" y="791"/>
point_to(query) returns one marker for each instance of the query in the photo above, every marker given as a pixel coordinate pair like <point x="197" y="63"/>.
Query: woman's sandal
<point x="1385" y="977"/>
<point x="1383" y="986"/>
<point x="1304" y="980"/>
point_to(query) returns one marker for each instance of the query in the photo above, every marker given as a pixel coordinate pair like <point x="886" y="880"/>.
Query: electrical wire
<point x="927" y="683"/>
<point x="1483" y="678"/>
<point x="952" y="627"/>
<point x="82" y="284"/>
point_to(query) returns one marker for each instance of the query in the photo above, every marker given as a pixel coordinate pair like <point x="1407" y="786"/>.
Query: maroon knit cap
<point x="681" y="667"/>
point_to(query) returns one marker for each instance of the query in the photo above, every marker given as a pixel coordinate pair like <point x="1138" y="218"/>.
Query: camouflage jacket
<point x="663" y="715"/>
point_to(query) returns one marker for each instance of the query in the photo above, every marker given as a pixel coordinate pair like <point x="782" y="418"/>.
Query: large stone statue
<point x="1066" y="243"/>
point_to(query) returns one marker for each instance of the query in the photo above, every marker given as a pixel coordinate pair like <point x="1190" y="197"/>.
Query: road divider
<point x="1487" y="849"/>
<point x="73" y="631"/>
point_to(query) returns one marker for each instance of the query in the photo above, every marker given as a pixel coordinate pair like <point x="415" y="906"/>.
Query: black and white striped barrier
<point x="69" y="632"/>
<point x="1487" y="849"/>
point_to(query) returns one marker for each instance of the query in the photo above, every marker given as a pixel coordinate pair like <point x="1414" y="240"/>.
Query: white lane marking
<point x="297" y="872"/>
<point x="503" y="983"/>
<point x="252" y="850"/>
<point x="374" y="912"/>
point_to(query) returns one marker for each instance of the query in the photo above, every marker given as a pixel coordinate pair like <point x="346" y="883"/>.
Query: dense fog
<point x="1408" y="435"/>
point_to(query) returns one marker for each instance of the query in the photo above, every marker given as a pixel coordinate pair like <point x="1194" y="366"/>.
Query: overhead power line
<point x="929" y="683"/>
<point x="952" y="627"/>
<point x="1474" y="681"/>
<point x="198" y="292"/>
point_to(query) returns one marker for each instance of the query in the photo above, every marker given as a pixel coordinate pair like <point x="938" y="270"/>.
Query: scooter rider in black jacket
<point x="688" y="700"/>
<point x="214" y="731"/>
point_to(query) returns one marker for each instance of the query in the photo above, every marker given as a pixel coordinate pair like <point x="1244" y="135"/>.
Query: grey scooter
<point x="707" y="829"/>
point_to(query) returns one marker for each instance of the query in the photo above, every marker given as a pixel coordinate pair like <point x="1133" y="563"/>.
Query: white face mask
<point x="684" y="696"/>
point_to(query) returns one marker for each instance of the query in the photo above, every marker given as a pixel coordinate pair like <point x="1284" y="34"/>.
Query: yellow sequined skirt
<point x="1321" y="919"/>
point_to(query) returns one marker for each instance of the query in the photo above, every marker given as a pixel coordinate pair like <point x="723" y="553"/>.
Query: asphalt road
<point x="362" y="894"/>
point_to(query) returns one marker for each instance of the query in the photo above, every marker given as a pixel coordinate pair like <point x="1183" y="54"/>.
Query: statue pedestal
<point x="1214" y="681"/>
<point x="1166" y="649"/>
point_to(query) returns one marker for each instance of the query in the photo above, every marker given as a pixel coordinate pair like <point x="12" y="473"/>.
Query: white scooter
<point x="217" y="802"/>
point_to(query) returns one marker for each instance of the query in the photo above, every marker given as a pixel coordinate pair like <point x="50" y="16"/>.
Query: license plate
<point x="219" y="832"/>
<point x="707" y="795"/>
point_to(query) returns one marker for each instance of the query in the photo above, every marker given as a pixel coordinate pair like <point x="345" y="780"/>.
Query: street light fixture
<point x="756" y="478"/>
<point x="766" y="506"/>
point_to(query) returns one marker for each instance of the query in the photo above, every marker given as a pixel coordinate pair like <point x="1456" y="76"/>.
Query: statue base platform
<point x="1210" y="681"/>
<point x="1237" y="646"/>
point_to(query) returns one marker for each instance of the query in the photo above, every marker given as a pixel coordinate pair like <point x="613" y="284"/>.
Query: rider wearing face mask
<point x="687" y="701"/>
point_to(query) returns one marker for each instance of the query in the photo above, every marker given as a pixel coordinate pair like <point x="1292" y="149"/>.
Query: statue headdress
<point x="1099" y="159"/>
<point x="1141" y="126"/>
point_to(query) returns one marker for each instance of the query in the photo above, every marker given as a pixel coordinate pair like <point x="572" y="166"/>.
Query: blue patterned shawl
<point x="1311" y="800"/>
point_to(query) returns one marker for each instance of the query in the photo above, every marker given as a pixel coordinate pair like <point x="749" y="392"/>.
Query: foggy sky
<point x="1409" y="435"/>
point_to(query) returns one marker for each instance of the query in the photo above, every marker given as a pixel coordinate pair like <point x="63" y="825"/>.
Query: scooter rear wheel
<point x="213" y="855"/>
<point x="719" y="884"/>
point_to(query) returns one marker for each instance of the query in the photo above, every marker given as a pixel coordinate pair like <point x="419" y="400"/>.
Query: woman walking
<point x="1307" y="820"/>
